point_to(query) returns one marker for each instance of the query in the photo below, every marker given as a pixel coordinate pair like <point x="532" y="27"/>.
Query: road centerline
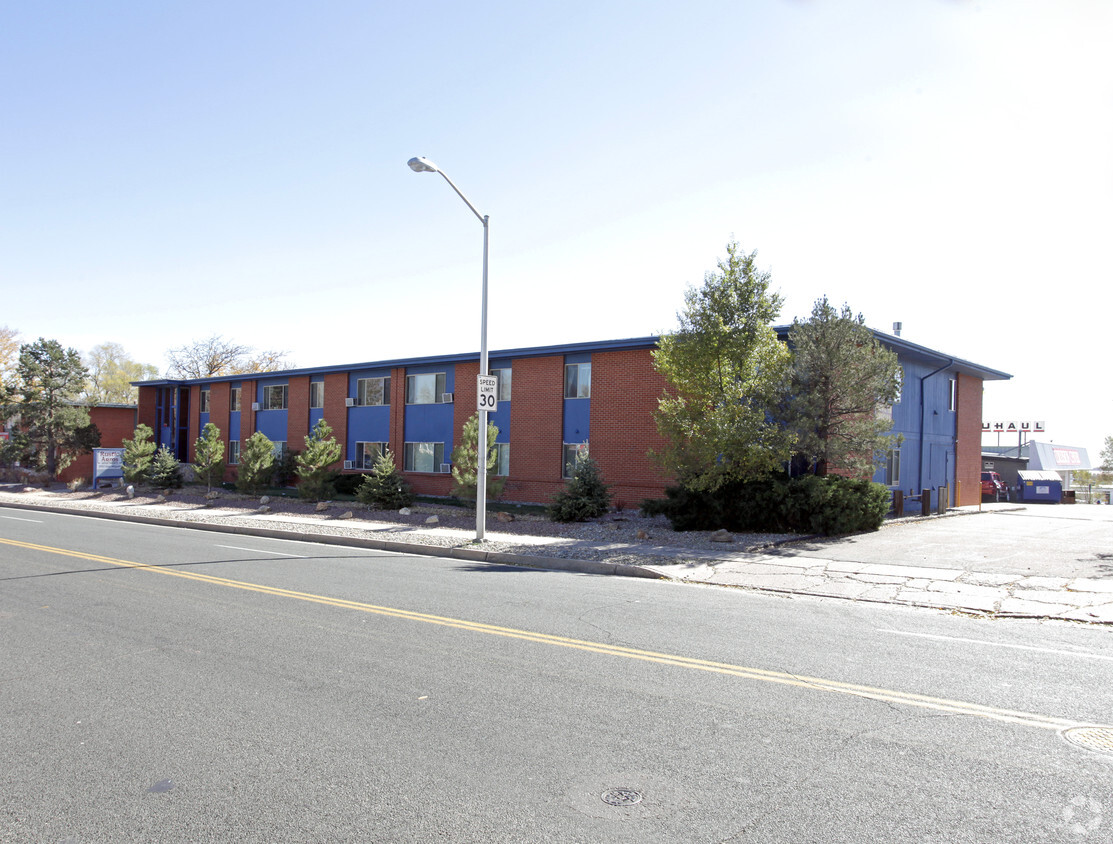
<point x="1028" y="719"/>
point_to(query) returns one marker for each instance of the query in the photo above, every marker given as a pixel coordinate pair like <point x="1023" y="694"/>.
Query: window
<point x="279" y="450"/>
<point x="423" y="457"/>
<point x="504" y="383"/>
<point x="502" y="463"/>
<point x="203" y="405"/>
<point x="425" y="389"/>
<point x="577" y="381"/>
<point x="276" y="397"/>
<point x="572" y="452"/>
<point x="316" y="394"/>
<point x="892" y="468"/>
<point x="952" y="394"/>
<point x="233" y="451"/>
<point x="372" y="391"/>
<point x="234" y="400"/>
<point x="367" y="454"/>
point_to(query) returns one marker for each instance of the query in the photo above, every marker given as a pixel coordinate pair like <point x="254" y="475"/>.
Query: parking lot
<point x="1043" y="540"/>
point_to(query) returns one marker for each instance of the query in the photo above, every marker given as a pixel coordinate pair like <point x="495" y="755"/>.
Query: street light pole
<point x="424" y="165"/>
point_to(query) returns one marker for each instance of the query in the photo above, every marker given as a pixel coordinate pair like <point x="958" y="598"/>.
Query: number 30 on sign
<point x="488" y="393"/>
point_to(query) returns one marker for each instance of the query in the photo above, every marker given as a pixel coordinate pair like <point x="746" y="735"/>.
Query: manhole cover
<point x="621" y="797"/>
<point x="1091" y="738"/>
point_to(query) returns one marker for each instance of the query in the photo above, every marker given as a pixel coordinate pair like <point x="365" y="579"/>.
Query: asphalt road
<point x="1062" y="541"/>
<point x="250" y="689"/>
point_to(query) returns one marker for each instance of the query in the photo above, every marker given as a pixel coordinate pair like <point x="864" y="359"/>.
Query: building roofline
<point x="897" y="344"/>
<point x="494" y="356"/>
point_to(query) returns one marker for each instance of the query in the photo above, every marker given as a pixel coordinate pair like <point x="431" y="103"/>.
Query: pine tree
<point x="843" y="384"/>
<point x="208" y="460"/>
<point x="256" y="464"/>
<point x="385" y="488"/>
<point x="166" y="471"/>
<point x="465" y="462"/>
<point x="314" y="465"/>
<point x="138" y="454"/>
<point x="584" y="497"/>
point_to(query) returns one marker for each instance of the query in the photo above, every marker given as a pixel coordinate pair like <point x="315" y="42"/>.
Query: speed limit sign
<point x="488" y="393"/>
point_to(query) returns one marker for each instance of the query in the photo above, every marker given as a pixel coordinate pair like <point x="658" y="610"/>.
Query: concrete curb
<point x="474" y="555"/>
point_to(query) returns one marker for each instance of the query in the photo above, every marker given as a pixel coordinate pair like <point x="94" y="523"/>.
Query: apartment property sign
<point x="108" y="464"/>
<point x="1014" y="427"/>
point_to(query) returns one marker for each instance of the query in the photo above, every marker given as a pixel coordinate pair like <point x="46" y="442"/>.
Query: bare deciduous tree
<point x="217" y="356"/>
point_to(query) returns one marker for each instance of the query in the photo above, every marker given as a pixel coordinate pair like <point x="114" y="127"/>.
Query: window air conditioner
<point x="255" y="405"/>
<point x="446" y="468"/>
<point x="349" y="464"/>
<point x="446" y="398"/>
<point x="349" y="402"/>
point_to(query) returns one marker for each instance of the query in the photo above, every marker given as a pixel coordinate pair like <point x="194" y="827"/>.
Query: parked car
<point x="993" y="487"/>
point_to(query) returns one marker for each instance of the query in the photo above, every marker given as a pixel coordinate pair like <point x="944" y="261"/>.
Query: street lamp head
<point x="423" y="165"/>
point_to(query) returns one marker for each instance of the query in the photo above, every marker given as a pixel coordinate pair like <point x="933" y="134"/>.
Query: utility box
<point x="1034" y="485"/>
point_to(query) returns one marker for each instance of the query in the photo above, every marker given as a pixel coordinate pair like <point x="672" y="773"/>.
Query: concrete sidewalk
<point x="782" y="569"/>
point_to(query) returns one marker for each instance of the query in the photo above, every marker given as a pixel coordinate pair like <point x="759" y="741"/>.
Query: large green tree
<point x="726" y="372"/>
<point x="44" y="393"/>
<point x="1107" y="456"/>
<point x="844" y="384"/>
<point x="208" y="456"/>
<point x="111" y="372"/>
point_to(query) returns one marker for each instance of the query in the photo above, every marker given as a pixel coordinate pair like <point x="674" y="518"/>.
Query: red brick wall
<point x="148" y="410"/>
<point x="115" y="424"/>
<point x="968" y="440"/>
<point x="398" y="413"/>
<point x="297" y="413"/>
<point x="624" y="392"/>
<point x="247" y="415"/>
<point x="536" y="429"/>
<point x="336" y="411"/>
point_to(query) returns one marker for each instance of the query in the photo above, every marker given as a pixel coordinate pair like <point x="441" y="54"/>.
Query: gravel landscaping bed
<point x="621" y="537"/>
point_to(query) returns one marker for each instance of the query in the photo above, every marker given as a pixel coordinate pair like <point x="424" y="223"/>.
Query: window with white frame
<point x="504" y="382"/>
<point x="572" y="453"/>
<point x="234" y="400"/>
<point x="425" y="389"/>
<point x="892" y="467"/>
<point x="577" y="381"/>
<point x="367" y="454"/>
<point x="423" y="457"/>
<point x="279" y="450"/>
<point x="276" y="397"/>
<point x="316" y="394"/>
<point x="233" y="452"/>
<point x="203" y="404"/>
<point x="502" y="461"/>
<point x="952" y="394"/>
<point x="371" y="392"/>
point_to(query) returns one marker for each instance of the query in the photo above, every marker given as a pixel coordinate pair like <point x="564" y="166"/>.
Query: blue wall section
<point x="429" y="423"/>
<point x="272" y="422"/>
<point x="501" y="417"/>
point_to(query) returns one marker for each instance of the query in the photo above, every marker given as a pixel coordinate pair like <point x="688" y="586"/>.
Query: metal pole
<point x="481" y="469"/>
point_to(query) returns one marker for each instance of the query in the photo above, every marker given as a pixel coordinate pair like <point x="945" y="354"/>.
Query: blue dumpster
<point x="1034" y="485"/>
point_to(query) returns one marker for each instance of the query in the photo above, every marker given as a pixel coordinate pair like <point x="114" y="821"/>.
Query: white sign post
<point x="487" y="393"/>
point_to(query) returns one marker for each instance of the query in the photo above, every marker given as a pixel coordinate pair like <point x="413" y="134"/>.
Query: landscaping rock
<point x="722" y="535"/>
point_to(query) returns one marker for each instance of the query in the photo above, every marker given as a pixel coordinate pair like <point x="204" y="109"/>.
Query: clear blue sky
<point x="173" y="170"/>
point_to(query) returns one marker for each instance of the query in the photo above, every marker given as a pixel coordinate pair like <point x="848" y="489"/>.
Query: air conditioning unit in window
<point x="446" y="398"/>
<point x="349" y="402"/>
<point x="349" y="464"/>
<point x="255" y="405"/>
<point x="446" y="468"/>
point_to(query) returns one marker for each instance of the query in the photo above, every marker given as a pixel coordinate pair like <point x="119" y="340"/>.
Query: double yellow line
<point x="954" y="707"/>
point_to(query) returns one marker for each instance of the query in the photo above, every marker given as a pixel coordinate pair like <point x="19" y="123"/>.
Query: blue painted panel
<point x="577" y="413"/>
<point x="234" y="425"/>
<point x="501" y="420"/>
<point x="369" y="425"/>
<point x="430" y="423"/>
